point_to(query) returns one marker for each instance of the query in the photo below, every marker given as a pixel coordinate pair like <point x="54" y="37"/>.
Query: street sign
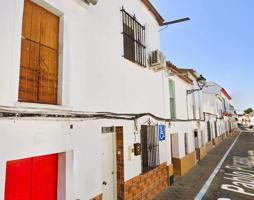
<point x="162" y="132"/>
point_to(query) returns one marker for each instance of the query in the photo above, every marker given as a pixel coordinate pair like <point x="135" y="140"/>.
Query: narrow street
<point x="126" y="100"/>
<point x="234" y="179"/>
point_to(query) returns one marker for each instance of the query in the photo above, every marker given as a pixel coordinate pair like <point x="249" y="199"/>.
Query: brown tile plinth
<point x="224" y="136"/>
<point x="217" y="140"/>
<point x="209" y="146"/>
<point x="170" y="170"/>
<point x="182" y="166"/>
<point x="147" y="186"/>
<point x="99" y="197"/>
<point x="201" y="152"/>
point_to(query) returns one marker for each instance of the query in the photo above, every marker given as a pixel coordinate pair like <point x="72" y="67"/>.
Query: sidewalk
<point x="187" y="187"/>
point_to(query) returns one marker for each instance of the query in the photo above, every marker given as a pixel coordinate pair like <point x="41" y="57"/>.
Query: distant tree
<point x="248" y="111"/>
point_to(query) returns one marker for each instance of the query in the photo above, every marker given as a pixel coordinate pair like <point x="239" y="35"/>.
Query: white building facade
<point x="218" y="106"/>
<point x="68" y="70"/>
<point x="186" y="127"/>
<point x="82" y="114"/>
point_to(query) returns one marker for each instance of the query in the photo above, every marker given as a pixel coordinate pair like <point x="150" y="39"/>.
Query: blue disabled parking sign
<point x="162" y="132"/>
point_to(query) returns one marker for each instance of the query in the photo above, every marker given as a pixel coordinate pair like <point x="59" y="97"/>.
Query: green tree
<point x="248" y="111"/>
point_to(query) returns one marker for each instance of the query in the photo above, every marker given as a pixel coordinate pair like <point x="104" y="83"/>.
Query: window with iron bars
<point x="209" y="132"/>
<point x="150" y="148"/>
<point x="133" y="39"/>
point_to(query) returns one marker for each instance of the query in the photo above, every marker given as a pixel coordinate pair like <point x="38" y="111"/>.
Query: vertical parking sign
<point x="162" y="132"/>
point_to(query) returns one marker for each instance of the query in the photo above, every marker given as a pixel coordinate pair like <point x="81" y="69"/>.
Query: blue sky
<point x="218" y="42"/>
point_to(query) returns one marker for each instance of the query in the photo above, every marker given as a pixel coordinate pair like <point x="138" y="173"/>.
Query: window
<point x="212" y="130"/>
<point x="39" y="55"/>
<point x="196" y="139"/>
<point x="230" y="126"/>
<point x="150" y="148"/>
<point x="209" y="131"/>
<point x="186" y="143"/>
<point x="172" y="99"/>
<point x="216" y="129"/>
<point x="133" y="39"/>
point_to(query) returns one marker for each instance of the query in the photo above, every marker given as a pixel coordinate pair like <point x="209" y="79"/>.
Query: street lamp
<point x="174" y="22"/>
<point x="201" y="84"/>
<point x="201" y="81"/>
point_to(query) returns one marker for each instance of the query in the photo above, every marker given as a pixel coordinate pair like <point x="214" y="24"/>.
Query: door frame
<point x="114" y="162"/>
<point x="174" y="140"/>
<point x="196" y="132"/>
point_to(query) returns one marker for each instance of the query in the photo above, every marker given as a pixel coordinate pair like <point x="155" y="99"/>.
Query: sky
<point x="218" y="42"/>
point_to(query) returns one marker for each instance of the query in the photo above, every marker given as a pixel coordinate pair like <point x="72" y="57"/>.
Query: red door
<point x="44" y="178"/>
<point x="17" y="184"/>
<point x="32" y="178"/>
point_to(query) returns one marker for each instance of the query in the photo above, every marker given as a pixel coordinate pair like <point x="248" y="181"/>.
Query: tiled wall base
<point x="170" y="170"/>
<point x="99" y="197"/>
<point x="201" y="153"/>
<point x="209" y="146"/>
<point x="227" y="134"/>
<point x="182" y="166"/>
<point x="148" y="185"/>
<point x="224" y="136"/>
<point x="217" y="140"/>
<point x="234" y="133"/>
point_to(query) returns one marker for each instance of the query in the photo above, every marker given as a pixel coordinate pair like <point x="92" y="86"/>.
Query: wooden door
<point x="39" y="55"/>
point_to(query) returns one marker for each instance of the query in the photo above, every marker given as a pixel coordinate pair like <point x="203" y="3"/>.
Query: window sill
<point x="134" y="62"/>
<point x="41" y="107"/>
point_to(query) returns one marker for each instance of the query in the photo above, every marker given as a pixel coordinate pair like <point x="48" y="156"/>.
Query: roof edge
<point x="226" y="94"/>
<point x="154" y="11"/>
<point x="177" y="71"/>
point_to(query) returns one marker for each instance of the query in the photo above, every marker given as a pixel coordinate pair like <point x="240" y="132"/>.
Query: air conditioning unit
<point x="94" y="2"/>
<point x="157" y="60"/>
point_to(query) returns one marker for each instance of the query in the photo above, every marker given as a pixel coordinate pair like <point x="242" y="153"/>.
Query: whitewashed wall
<point x="180" y="128"/>
<point x="184" y="111"/>
<point x="29" y="137"/>
<point x="94" y="77"/>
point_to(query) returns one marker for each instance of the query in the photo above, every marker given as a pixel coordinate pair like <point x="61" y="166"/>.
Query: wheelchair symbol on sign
<point x="162" y="134"/>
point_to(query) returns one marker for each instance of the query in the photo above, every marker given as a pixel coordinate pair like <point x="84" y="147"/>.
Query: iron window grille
<point x="133" y="39"/>
<point x="150" y="148"/>
<point x="216" y="129"/>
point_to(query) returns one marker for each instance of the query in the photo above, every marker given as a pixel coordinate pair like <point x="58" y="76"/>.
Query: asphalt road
<point x="234" y="174"/>
<point x="235" y="179"/>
